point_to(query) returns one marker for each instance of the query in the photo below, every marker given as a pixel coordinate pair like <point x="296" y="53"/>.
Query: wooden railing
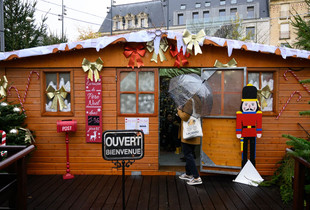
<point x="299" y="183"/>
<point x="18" y="156"/>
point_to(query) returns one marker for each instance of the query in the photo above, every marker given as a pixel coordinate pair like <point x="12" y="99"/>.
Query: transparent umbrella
<point x="189" y="89"/>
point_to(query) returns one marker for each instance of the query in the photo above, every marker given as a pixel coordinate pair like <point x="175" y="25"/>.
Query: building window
<point x="57" y="97"/>
<point x="118" y="25"/>
<point x="233" y="13"/>
<point x="285" y="45"/>
<point x="250" y="12"/>
<point x="183" y="6"/>
<point x="180" y="19"/>
<point x="250" y="33"/>
<point x="285" y="11"/>
<point x="207" y="4"/>
<point x="138" y="92"/>
<point x="233" y="1"/>
<point x="222" y="2"/>
<point x="197" y="5"/>
<point x="284" y="31"/>
<point x="264" y="81"/>
<point x="249" y="0"/>
<point x="195" y="17"/>
<point x="222" y="14"/>
<point x="206" y="16"/>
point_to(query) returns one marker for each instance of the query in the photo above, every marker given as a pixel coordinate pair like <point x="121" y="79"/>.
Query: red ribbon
<point x="135" y="54"/>
<point x="180" y="58"/>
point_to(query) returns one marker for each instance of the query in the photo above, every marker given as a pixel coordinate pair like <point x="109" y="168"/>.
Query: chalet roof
<point x="149" y="35"/>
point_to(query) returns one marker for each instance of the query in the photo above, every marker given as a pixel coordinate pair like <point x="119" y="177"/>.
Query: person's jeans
<point x="190" y="167"/>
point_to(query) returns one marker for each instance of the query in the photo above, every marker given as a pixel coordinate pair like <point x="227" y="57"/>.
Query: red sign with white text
<point x="93" y="110"/>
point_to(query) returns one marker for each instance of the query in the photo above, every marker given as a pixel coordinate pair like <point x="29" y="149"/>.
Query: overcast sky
<point x="81" y="14"/>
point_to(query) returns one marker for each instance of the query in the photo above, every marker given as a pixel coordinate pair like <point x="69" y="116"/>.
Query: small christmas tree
<point x="12" y="122"/>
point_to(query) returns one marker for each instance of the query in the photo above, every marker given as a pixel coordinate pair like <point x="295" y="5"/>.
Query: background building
<point x="281" y="12"/>
<point x="212" y="16"/>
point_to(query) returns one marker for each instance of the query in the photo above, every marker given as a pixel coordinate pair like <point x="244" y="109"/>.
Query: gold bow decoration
<point x="163" y="47"/>
<point x="192" y="40"/>
<point x="93" y="68"/>
<point x="29" y="139"/>
<point x="3" y="86"/>
<point x="57" y="96"/>
<point x="264" y="94"/>
<point x="230" y="64"/>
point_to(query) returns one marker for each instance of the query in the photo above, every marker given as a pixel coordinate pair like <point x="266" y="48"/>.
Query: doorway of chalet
<point x="170" y="151"/>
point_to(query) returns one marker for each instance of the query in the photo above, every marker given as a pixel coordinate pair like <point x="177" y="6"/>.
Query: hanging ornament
<point x="18" y="95"/>
<point x="29" y="139"/>
<point x="193" y="40"/>
<point x="4" y="104"/>
<point x="180" y="58"/>
<point x="28" y="83"/>
<point x="3" y="86"/>
<point x="57" y="96"/>
<point x="3" y="143"/>
<point x="163" y="47"/>
<point x="288" y="101"/>
<point x="134" y="53"/>
<point x="295" y="76"/>
<point x="230" y="64"/>
<point x="14" y="131"/>
<point x="93" y="68"/>
<point x="17" y="109"/>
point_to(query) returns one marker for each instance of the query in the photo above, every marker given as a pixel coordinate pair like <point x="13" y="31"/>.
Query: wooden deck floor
<point x="147" y="192"/>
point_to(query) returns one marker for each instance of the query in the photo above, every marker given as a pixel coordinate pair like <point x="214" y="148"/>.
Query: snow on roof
<point x="149" y="35"/>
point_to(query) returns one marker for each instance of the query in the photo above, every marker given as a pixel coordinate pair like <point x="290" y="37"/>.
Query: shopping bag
<point x="192" y="128"/>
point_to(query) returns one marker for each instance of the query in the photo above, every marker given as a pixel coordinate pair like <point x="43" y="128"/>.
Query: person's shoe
<point x="194" y="181"/>
<point x="186" y="177"/>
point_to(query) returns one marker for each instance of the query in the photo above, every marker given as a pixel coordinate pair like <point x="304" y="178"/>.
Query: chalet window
<point x="57" y="93"/>
<point x="226" y="85"/>
<point x="137" y="92"/>
<point x="180" y="19"/>
<point x="285" y="31"/>
<point x="264" y="81"/>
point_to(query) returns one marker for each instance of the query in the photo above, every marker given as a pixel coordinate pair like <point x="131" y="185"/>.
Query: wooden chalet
<point x="275" y="71"/>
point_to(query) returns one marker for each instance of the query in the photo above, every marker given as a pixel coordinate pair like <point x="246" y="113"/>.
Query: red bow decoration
<point x="135" y="54"/>
<point x="180" y="58"/>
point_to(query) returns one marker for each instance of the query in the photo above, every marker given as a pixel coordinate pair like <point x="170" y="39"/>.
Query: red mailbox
<point x="67" y="126"/>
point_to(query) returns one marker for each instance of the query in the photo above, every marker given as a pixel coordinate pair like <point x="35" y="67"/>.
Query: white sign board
<point x="132" y="123"/>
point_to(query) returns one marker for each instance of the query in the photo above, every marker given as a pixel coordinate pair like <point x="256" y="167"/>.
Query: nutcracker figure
<point x="249" y="123"/>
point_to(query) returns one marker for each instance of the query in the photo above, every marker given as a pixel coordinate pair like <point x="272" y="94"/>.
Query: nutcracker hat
<point x="249" y="93"/>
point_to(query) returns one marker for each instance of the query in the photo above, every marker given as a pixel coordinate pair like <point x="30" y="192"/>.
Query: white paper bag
<point x="192" y="128"/>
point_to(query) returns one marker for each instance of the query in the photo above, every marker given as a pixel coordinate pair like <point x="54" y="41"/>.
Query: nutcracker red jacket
<point x="249" y="124"/>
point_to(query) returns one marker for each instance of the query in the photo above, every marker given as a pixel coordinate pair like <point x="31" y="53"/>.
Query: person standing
<point x="188" y="147"/>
